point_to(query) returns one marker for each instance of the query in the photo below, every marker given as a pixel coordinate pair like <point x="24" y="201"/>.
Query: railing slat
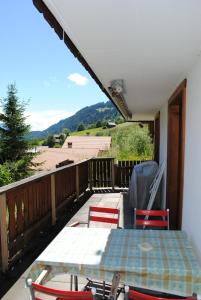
<point x="3" y="233"/>
<point x="77" y="180"/>
<point x="124" y="172"/>
<point x="53" y="199"/>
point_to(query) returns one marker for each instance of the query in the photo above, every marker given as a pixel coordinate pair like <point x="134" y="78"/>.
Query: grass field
<point x="129" y="141"/>
<point x="105" y="132"/>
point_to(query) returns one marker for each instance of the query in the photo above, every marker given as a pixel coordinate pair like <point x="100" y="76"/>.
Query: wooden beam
<point x="113" y="174"/>
<point x="4" y="234"/>
<point x="77" y="182"/>
<point x="157" y="138"/>
<point x="175" y="154"/>
<point x="53" y="199"/>
<point x="178" y="90"/>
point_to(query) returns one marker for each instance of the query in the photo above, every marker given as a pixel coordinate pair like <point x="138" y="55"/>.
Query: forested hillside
<point x="87" y="116"/>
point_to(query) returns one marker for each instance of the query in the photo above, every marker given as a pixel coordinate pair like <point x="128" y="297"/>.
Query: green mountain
<point x="88" y="115"/>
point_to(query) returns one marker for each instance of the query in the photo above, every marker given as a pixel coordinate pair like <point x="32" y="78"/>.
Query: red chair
<point x="107" y="210"/>
<point x="133" y="295"/>
<point x="164" y="214"/>
<point x="59" y="294"/>
<point x="110" y="220"/>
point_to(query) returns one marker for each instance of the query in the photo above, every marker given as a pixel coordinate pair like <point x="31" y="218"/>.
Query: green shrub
<point x="130" y="142"/>
<point x="140" y="143"/>
<point x="81" y="127"/>
<point x="5" y="175"/>
<point x="99" y="133"/>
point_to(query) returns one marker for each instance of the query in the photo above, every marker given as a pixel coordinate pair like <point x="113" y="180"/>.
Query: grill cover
<point x="141" y="180"/>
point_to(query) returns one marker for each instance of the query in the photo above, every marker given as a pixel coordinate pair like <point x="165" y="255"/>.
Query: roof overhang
<point x="150" y="45"/>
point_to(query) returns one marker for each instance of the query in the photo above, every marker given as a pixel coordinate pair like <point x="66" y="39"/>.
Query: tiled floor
<point x="19" y="292"/>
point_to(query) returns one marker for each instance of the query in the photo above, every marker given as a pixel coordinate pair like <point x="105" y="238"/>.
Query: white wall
<point x="191" y="221"/>
<point x="192" y="172"/>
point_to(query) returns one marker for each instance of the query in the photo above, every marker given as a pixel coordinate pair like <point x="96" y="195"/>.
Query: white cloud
<point x="78" y="79"/>
<point x="40" y="120"/>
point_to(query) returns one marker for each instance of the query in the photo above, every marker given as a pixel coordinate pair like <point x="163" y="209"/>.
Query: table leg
<point x="115" y="285"/>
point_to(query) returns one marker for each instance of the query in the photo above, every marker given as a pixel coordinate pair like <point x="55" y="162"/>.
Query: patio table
<point x="159" y="260"/>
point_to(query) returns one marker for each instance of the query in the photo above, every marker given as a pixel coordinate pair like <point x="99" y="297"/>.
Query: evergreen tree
<point x="81" y="127"/>
<point x="98" y="124"/>
<point x="62" y="138"/>
<point x="50" y="141"/>
<point x="66" y="131"/>
<point x="13" y="128"/>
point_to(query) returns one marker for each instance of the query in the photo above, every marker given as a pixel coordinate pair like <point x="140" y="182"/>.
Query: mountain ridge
<point x="87" y="116"/>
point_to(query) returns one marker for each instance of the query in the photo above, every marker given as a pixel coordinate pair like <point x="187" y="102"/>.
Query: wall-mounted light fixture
<point x="117" y="86"/>
<point x="117" y="90"/>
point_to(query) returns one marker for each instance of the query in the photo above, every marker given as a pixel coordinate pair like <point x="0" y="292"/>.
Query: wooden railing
<point x="123" y="171"/>
<point x="104" y="172"/>
<point x="33" y="205"/>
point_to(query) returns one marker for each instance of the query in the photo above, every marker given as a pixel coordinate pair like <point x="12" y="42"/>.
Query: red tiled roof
<point x="52" y="156"/>
<point x="83" y="147"/>
<point x="88" y="142"/>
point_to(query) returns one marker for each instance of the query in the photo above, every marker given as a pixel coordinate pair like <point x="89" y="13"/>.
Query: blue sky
<point x="44" y="70"/>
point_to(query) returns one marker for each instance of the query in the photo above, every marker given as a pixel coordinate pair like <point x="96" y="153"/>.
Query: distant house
<point x="56" y="138"/>
<point x="110" y="124"/>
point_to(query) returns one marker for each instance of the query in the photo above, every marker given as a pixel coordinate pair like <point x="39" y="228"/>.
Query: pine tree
<point x="13" y="127"/>
<point x="81" y="127"/>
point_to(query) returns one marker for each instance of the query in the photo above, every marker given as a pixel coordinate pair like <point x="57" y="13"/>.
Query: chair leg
<point x="76" y="283"/>
<point x="103" y="289"/>
<point x="71" y="282"/>
<point x="29" y="285"/>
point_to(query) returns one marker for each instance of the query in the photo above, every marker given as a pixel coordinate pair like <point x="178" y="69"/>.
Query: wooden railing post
<point x="53" y="199"/>
<point x="113" y="174"/>
<point x="90" y="175"/>
<point x="4" y="234"/>
<point x="77" y="182"/>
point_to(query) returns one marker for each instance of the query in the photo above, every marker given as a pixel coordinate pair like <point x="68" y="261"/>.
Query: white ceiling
<point x="151" y="44"/>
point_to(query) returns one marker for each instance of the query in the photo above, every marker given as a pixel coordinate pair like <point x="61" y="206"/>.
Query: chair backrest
<point x="59" y="294"/>
<point x="164" y="214"/>
<point x="133" y="295"/>
<point x="107" y="210"/>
